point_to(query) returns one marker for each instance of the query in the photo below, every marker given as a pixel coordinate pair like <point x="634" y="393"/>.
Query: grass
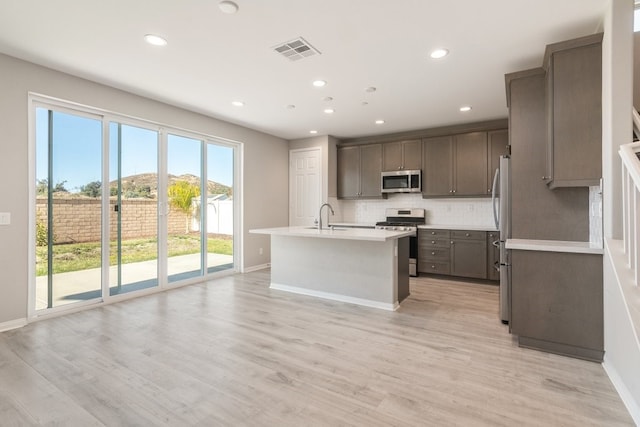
<point x="82" y="256"/>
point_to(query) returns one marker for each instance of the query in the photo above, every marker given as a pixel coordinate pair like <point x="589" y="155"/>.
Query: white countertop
<point x="337" y="233"/>
<point x="554" y="246"/>
<point x="457" y="227"/>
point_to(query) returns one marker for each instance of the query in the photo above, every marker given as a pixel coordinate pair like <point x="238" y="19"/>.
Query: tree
<point x="42" y="187"/>
<point x="92" y="189"/>
<point x="181" y="195"/>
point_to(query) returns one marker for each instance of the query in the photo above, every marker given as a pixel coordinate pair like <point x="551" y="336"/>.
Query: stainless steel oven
<point x="406" y="219"/>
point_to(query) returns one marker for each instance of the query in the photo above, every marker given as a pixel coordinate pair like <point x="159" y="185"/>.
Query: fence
<point x="78" y="220"/>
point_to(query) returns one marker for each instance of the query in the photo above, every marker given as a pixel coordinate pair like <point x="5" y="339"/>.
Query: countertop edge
<point x="457" y="227"/>
<point x="554" y="246"/>
<point x="344" y="234"/>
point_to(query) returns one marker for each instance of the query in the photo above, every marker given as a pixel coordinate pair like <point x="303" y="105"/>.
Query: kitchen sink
<point x="328" y="228"/>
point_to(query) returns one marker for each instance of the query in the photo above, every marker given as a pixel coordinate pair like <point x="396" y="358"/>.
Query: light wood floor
<point x="232" y="352"/>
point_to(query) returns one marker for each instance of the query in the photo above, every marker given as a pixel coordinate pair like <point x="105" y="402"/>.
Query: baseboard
<point x="256" y="267"/>
<point x="623" y="391"/>
<point x="13" y="324"/>
<point x="335" y="297"/>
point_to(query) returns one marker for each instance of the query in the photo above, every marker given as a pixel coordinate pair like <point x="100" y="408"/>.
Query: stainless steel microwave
<point x="402" y="181"/>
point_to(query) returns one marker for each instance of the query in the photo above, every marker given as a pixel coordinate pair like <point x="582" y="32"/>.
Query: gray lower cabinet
<point x="556" y="302"/>
<point x="469" y="254"/>
<point x="359" y="169"/>
<point x="461" y="253"/>
<point x="434" y="251"/>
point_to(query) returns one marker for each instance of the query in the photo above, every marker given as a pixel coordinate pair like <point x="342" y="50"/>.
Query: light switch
<point x="5" y="218"/>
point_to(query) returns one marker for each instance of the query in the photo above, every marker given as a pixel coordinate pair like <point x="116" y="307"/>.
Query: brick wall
<point x="78" y="220"/>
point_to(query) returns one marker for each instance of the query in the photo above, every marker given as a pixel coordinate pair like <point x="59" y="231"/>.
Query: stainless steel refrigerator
<point x="501" y="200"/>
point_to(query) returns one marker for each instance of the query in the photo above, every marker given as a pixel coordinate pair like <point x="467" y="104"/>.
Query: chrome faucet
<point x="320" y="215"/>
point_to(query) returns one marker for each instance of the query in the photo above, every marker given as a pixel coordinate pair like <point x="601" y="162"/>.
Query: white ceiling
<point x="214" y="58"/>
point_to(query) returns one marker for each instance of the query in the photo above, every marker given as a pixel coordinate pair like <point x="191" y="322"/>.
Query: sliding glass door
<point x="184" y="190"/>
<point x="133" y="208"/>
<point x="124" y="206"/>
<point x="68" y="208"/>
<point x="220" y="207"/>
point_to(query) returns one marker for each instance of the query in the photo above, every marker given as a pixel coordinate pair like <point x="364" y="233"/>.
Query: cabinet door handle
<point x="433" y="233"/>
<point x="433" y="253"/>
<point x="452" y="242"/>
<point x="433" y="267"/>
<point x="467" y="234"/>
<point x="433" y="242"/>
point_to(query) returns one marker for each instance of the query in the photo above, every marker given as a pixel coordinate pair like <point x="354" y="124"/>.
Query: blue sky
<point x="77" y="152"/>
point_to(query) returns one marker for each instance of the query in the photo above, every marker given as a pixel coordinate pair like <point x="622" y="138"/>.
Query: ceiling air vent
<point x="296" y="49"/>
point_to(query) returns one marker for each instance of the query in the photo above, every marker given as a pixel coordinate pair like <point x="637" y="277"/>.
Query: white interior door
<point x="305" y="186"/>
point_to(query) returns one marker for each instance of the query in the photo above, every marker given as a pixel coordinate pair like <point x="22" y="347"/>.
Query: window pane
<point x="219" y="208"/>
<point x="68" y="208"/>
<point x="133" y="208"/>
<point x="184" y="244"/>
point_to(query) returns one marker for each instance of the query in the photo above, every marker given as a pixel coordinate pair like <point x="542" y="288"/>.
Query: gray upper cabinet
<point x="497" y="145"/>
<point x="470" y="164"/>
<point x="370" y="170"/>
<point x="402" y="155"/>
<point x="437" y="176"/>
<point x="455" y="165"/>
<point x="359" y="169"/>
<point x="574" y="111"/>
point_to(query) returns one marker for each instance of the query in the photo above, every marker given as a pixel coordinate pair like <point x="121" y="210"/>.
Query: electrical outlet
<point x="470" y="207"/>
<point x="5" y="218"/>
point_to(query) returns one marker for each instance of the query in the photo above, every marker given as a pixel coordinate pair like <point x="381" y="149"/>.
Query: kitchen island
<point x="359" y="266"/>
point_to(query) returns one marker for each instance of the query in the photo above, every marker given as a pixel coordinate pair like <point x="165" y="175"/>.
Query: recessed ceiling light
<point x="228" y="7"/>
<point x="319" y="83"/>
<point x="329" y="110"/>
<point x="291" y="107"/>
<point x="155" y="40"/>
<point x="465" y="108"/>
<point x="379" y="122"/>
<point x="370" y="89"/>
<point x="313" y="132"/>
<point x="237" y="103"/>
<point x="439" y="53"/>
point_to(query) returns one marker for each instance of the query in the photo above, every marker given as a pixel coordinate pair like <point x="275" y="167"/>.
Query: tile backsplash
<point x="463" y="211"/>
<point x="595" y="215"/>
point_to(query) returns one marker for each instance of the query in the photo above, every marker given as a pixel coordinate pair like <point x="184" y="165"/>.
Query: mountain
<point x="146" y="184"/>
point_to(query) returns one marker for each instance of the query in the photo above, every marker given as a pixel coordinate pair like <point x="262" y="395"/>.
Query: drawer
<point x="469" y="235"/>
<point x="425" y="244"/>
<point x="434" y="267"/>
<point x="434" y="254"/>
<point x="433" y="234"/>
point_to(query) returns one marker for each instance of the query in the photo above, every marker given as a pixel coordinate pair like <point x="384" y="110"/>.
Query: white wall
<point x="265" y="179"/>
